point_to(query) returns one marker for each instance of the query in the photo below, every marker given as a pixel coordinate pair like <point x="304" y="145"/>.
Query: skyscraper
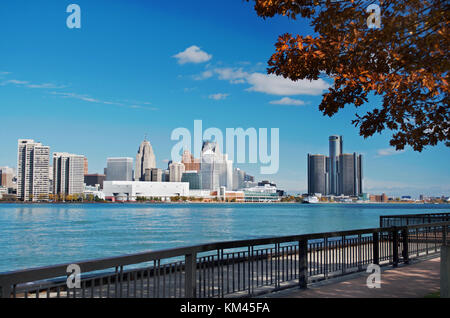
<point x="238" y="179"/>
<point x="338" y="174"/>
<point x="216" y="169"/>
<point x="86" y="166"/>
<point x="68" y="173"/>
<point x="318" y="174"/>
<point x="190" y="163"/>
<point x="176" y="171"/>
<point x="32" y="170"/>
<point x="6" y="177"/>
<point x="145" y="159"/>
<point x="350" y="174"/>
<point x="336" y="148"/>
<point x="119" y="169"/>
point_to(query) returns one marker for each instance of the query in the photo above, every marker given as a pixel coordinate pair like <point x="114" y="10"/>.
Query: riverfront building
<point x="350" y="174"/>
<point x="216" y="169"/>
<point x="94" y="179"/>
<point x="6" y="177"/>
<point x="317" y="174"/>
<point x="68" y="173"/>
<point x="119" y="169"/>
<point x="145" y="159"/>
<point x="131" y="190"/>
<point x="176" y="170"/>
<point x="194" y="179"/>
<point x="337" y="174"/>
<point x="32" y="170"/>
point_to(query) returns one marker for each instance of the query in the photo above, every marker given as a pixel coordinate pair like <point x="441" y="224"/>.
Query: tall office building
<point x="190" y="163"/>
<point x="145" y="159"/>
<point x="86" y="167"/>
<point x="318" y="174"/>
<point x="6" y="177"/>
<point x="156" y="175"/>
<point x="68" y="173"/>
<point x="32" y="170"/>
<point x="176" y="171"/>
<point x="119" y="169"/>
<point x="238" y="179"/>
<point x="338" y="174"/>
<point x="194" y="179"/>
<point x="215" y="168"/>
<point x="350" y="174"/>
<point x="336" y="149"/>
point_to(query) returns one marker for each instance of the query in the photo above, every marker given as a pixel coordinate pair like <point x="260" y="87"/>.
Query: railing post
<point x="405" y="252"/>
<point x="5" y="290"/>
<point x="395" y="247"/>
<point x="376" y="249"/>
<point x="303" y="263"/>
<point x="444" y="235"/>
<point x="190" y="281"/>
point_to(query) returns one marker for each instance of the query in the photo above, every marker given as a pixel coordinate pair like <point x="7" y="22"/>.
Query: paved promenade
<point x="407" y="281"/>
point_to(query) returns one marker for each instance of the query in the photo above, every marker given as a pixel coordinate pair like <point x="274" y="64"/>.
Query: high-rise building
<point x="6" y="177"/>
<point x="68" y="173"/>
<point x="176" y="171"/>
<point x="336" y="149"/>
<point x="238" y="179"/>
<point x="156" y="175"/>
<point x="190" y="163"/>
<point x="194" y="179"/>
<point x="119" y="169"/>
<point x="216" y="169"/>
<point x="86" y="166"/>
<point x="338" y="174"/>
<point x="145" y="159"/>
<point x="32" y="170"/>
<point x="317" y="174"/>
<point x="350" y="174"/>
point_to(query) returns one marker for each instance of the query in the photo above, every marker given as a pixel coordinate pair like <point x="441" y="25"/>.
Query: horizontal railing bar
<point x="415" y="215"/>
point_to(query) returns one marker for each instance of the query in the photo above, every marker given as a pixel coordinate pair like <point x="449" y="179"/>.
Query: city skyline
<point x="199" y="76"/>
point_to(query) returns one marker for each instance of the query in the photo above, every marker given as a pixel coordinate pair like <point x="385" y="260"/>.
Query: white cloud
<point x="192" y="54"/>
<point x="288" y="101"/>
<point x="278" y="85"/>
<point x="204" y="75"/>
<point x="30" y="85"/>
<point x="389" y="152"/>
<point x="234" y="75"/>
<point x="89" y="99"/>
<point x="218" y="96"/>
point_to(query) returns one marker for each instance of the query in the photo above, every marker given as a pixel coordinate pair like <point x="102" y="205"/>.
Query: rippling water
<point x="38" y="235"/>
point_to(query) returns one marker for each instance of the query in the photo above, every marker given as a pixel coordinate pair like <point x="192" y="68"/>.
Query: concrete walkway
<point x="407" y="281"/>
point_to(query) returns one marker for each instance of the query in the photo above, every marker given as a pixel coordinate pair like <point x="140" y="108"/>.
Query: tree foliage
<point x="406" y="62"/>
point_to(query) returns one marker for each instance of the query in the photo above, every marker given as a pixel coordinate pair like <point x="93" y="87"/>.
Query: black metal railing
<point x="232" y="269"/>
<point x="412" y="219"/>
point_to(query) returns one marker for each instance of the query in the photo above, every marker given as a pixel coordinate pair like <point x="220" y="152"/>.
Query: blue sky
<point x="129" y="72"/>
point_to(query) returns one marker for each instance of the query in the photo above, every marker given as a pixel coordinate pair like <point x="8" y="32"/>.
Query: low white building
<point x="131" y="190"/>
<point x="94" y="191"/>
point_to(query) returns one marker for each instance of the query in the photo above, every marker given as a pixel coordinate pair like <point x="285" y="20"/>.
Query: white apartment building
<point x="32" y="170"/>
<point x="176" y="170"/>
<point x="68" y="173"/>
